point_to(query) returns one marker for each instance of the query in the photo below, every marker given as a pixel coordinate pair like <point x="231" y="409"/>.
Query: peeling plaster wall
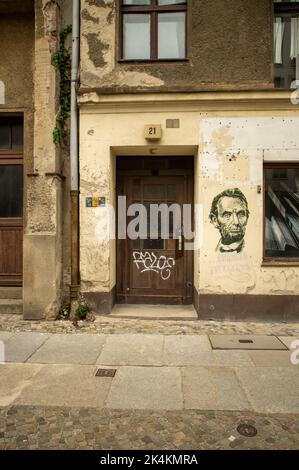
<point x="46" y="262"/>
<point x="99" y="133"/>
<point x="232" y="148"/>
<point x="229" y="46"/>
<point x="16" y="70"/>
<point x="233" y="153"/>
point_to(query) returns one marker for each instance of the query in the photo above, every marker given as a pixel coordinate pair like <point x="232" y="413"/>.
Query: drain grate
<point x="247" y="430"/>
<point x="105" y="372"/>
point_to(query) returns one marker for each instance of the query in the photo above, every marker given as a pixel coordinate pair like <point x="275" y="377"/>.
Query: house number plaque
<point x="153" y="131"/>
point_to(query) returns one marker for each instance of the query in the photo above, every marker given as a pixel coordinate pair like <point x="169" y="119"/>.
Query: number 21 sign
<point x="153" y="131"/>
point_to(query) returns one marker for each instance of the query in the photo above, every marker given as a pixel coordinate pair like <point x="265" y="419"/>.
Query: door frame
<point x="122" y="297"/>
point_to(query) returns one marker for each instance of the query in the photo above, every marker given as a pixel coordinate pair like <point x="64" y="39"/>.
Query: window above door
<point x="286" y="43"/>
<point x="153" y="30"/>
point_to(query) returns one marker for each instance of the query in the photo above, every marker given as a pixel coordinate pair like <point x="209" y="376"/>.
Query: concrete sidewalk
<point x="153" y="372"/>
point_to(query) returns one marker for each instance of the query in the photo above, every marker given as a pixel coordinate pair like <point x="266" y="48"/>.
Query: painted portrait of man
<point x="229" y="214"/>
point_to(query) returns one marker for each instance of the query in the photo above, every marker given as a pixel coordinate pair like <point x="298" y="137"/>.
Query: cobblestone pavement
<point x="108" y="325"/>
<point x="89" y="428"/>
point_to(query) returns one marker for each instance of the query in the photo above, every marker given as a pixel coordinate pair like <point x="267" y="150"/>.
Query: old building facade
<point x="180" y="103"/>
<point x="34" y="258"/>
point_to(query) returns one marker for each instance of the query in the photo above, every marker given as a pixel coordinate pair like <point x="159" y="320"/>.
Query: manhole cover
<point x="251" y="342"/>
<point x="105" y="372"/>
<point x="247" y="430"/>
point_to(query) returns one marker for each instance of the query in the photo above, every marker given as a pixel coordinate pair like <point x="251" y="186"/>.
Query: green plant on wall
<point x="82" y="312"/>
<point x="83" y="308"/>
<point x="61" y="60"/>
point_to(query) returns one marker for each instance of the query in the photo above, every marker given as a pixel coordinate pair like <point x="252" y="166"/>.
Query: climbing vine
<point x="61" y="60"/>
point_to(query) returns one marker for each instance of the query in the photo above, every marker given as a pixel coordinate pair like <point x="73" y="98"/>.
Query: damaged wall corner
<point x="43" y="234"/>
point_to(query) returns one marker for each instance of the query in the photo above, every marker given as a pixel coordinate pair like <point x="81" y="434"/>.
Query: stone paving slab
<point x="14" y="378"/>
<point x="66" y="385"/>
<point x="132" y="350"/>
<point x="195" y="351"/>
<point x="27" y="427"/>
<point x="271" y="389"/>
<point x="151" y="388"/>
<point x="250" y="342"/>
<point x="20" y="346"/>
<point x="185" y="350"/>
<point x="271" y="358"/>
<point x="70" y="349"/>
<point x="212" y="389"/>
<point x="288" y="340"/>
<point x="5" y="335"/>
<point x="232" y="359"/>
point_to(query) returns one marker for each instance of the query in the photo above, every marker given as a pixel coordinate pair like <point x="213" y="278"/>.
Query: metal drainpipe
<point x="74" y="154"/>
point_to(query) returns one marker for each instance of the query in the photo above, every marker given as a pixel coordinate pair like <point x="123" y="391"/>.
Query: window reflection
<point x="282" y="213"/>
<point x="11" y="191"/>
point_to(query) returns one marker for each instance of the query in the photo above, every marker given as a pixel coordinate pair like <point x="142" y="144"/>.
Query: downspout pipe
<point x="74" y="154"/>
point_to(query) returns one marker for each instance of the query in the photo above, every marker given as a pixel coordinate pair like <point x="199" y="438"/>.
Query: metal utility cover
<point x="256" y="342"/>
<point x="247" y="430"/>
<point x="105" y="372"/>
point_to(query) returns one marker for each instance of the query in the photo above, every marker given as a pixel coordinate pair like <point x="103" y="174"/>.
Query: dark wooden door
<point x="157" y="269"/>
<point x="11" y="201"/>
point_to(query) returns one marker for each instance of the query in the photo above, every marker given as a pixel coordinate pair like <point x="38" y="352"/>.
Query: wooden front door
<point x="155" y="268"/>
<point x="11" y="201"/>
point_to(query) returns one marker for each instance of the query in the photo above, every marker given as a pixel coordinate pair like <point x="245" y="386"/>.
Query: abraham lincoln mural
<point x="229" y="214"/>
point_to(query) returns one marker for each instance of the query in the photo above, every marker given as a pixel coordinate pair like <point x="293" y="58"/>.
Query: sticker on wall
<point x="149" y="262"/>
<point x="88" y="202"/>
<point x="95" y="202"/>
<point x="229" y="214"/>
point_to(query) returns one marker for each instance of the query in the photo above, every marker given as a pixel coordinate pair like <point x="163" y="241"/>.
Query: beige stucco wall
<point x="102" y="138"/>
<point x="46" y="262"/>
<point x="233" y="152"/>
<point x="214" y="137"/>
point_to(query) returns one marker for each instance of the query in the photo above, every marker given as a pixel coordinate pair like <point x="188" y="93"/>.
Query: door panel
<point x="11" y="253"/>
<point x="11" y="200"/>
<point x="156" y="268"/>
<point x="11" y="223"/>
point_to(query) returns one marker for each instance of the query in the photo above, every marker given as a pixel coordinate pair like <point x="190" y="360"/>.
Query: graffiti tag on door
<point x="149" y="262"/>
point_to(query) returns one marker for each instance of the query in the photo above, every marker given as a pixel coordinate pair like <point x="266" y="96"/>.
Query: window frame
<point x="284" y="10"/>
<point x="9" y="154"/>
<point x="272" y="261"/>
<point x="153" y="9"/>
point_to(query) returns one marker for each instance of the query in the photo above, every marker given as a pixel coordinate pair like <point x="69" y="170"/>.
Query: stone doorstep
<point x="11" y="293"/>
<point x="154" y="312"/>
<point x="11" y="306"/>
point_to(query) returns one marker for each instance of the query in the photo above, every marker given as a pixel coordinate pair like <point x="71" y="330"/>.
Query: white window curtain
<point x="171" y="35"/>
<point x="278" y="38"/>
<point x="294" y="38"/>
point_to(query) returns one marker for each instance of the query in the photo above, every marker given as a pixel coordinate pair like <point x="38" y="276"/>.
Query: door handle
<point x="180" y="244"/>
